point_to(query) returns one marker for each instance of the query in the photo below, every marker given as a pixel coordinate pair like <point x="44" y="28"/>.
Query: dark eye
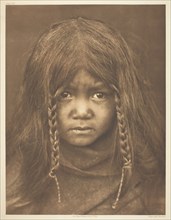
<point x="99" y="95"/>
<point x="65" y="95"/>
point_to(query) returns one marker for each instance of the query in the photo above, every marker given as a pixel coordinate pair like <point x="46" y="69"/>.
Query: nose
<point x="82" y="110"/>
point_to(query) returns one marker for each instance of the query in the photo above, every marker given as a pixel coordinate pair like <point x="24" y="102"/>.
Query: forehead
<point x="84" y="78"/>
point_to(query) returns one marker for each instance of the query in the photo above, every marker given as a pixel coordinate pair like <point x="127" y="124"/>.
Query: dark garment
<point x="89" y="180"/>
<point x="92" y="195"/>
<point x="95" y="196"/>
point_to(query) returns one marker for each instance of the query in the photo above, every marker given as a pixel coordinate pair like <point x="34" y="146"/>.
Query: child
<point x="87" y="137"/>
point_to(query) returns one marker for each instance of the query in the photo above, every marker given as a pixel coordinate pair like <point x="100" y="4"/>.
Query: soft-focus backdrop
<point x="144" y="25"/>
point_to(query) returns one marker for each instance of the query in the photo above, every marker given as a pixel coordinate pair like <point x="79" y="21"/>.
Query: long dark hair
<point x="58" y="54"/>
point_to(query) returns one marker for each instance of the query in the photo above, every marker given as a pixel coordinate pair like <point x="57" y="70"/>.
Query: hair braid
<point x="124" y="146"/>
<point x="123" y="134"/>
<point x="54" y="140"/>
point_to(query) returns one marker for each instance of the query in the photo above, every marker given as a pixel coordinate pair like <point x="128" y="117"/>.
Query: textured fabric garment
<point x="89" y="180"/>
<point x="82" y="195"/>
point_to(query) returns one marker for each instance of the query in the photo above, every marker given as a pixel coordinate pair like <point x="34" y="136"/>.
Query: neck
<point x="95" y="159"/>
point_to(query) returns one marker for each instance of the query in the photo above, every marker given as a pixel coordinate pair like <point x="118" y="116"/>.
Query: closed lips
<point x="81" y="130"/>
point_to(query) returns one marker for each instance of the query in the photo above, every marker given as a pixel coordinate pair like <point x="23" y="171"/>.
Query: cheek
<point x="62" y="116"/>
<point x="107" y="115"/>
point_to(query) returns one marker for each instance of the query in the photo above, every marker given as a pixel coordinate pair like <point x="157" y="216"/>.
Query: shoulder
<point x="143" y="198"/>
<point x="13" y="169"/>
<point x="153" y="196"/>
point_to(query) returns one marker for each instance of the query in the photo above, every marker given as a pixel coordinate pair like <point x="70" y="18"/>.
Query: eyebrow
<point x="96" y="84"/>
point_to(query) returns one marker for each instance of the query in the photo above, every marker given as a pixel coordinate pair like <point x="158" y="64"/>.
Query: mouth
<point x="82" y="130"/>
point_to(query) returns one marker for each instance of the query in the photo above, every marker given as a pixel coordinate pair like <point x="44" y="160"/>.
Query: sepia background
<point x="143" y="25"/>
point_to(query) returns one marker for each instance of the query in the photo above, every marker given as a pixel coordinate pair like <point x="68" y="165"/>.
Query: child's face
<point x="86" y="110"/>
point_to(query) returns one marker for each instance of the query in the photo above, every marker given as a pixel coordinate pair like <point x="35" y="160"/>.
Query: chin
<point x="81" y="143"/>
